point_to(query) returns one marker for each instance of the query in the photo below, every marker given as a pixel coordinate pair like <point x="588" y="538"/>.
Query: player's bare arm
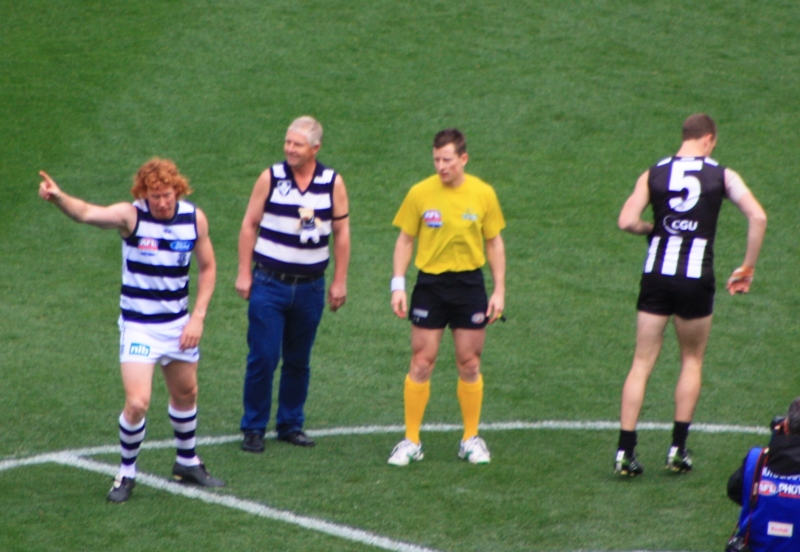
<point x="403" y="251"/>
<point x="745" y="201"/>
<point x="249" y="233"/>
<point x="120" y="216"/>
<point x="496" y="256"/>
<point x="206" y="280"/>
<point x="630" y="218"/>
<point x="337" y="292"/>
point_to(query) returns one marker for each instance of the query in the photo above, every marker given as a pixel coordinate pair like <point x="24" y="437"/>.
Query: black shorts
<point x="685" y="297"/>
<point x="457" y="299"/>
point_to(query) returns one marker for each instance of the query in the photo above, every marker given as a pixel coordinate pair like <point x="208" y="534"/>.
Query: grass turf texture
<point x="563" y="108"/>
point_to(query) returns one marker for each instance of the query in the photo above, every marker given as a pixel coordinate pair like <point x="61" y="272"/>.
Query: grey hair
<point x="309" y="127"/>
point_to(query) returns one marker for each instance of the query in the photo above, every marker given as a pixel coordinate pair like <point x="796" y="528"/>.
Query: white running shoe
<point x="405" y="452"/>
<point x="475" y="451"/>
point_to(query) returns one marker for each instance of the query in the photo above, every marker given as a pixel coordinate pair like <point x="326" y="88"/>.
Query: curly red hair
<point x="157" y="174"/>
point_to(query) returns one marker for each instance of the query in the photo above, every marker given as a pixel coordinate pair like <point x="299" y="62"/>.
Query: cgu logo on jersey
<point x="767" y="488"/>
<point x="677" y="226"/>
<point x="432" y="218"/>
<point x="148" y="246"/>
<point x="181" y="245"/>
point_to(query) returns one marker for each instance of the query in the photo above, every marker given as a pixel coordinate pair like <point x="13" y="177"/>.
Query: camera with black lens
<point x="737" y="544"/>
<point x="778" y="425"/>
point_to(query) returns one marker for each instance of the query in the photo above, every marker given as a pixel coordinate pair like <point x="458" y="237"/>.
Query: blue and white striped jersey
<point x="278" y="246"/>
<point x="155" y="266"/>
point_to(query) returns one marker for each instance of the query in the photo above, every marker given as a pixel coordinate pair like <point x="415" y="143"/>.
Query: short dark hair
<point x="698" y="125"/>
<point x="793" y="417"/>
<point x="451" y="136"/>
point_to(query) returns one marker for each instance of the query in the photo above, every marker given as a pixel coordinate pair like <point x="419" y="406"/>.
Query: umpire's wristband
<point x="398" y="283"/>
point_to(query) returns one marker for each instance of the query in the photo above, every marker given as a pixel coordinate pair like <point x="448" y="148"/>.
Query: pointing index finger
<point x="45" y="176"/>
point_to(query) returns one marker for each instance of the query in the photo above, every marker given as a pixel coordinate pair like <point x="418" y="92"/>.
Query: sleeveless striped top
<point x="155" y="265"/>
<point x="278" y="246"/>
<point x="686" y="194"/>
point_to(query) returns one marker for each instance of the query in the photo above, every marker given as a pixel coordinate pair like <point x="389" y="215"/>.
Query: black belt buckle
<point x="288" y="278"/>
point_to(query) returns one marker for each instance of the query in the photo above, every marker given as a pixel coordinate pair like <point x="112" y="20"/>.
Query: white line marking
<point x="336" y="530"/>
<point x="31" y="461"/>
<point x="77" y="458"/>
<point x="366" y="430"/>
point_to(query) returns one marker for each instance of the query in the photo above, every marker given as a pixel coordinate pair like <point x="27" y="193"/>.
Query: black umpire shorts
<point x="457" y="299"/>
<point x="685" y="297"/>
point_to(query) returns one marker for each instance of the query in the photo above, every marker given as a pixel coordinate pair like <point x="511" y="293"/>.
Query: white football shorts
<point x="142" y="343"/>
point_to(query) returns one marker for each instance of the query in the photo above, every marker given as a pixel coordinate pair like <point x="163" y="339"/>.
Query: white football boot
<point x="475" y="451"/>
<point x="405" y="452"/>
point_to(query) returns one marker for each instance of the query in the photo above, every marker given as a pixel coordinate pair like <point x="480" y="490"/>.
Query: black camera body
<point x="778" y="425"/>
<point x="737" y="544"/>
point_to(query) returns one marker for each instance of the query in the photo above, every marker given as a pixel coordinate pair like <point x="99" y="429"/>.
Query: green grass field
<point x="563" y="107"/>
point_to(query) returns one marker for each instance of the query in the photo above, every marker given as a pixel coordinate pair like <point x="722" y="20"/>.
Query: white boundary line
<point x="336" y="530"/>
<point x="367" y="430"/>
<point x="77" y="458"/>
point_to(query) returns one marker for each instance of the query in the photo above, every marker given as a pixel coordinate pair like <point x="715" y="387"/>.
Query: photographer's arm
<point x="736" y="484"/>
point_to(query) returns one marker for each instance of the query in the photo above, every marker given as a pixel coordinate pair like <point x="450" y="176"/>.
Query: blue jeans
<point x="283" y="322"/>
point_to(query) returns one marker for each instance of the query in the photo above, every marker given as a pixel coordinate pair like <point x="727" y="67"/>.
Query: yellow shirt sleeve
<point x="408" y="216"/>
<point x="494" y="222"/>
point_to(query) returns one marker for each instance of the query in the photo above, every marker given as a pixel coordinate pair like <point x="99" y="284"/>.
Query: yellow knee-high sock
<point x="470" y="397"/>
<point x="415" y="399"/>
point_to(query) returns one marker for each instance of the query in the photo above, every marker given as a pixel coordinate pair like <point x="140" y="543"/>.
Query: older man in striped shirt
<point x="296" y="207"/>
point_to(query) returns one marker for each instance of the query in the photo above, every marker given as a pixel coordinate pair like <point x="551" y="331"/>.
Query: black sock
<point x="627" y="441"/>
<point x="680" y="432"/>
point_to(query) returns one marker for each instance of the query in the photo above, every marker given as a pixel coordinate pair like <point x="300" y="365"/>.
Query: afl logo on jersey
<point x="767" y="488"/>
<point x="678" y="226"/>
<point x="432" y="218"/>
<point x="148" y="246"/>
<point x="181" y="245"/>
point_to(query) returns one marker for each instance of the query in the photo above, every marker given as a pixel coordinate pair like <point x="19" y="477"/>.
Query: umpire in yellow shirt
<point x="451" y="214"/>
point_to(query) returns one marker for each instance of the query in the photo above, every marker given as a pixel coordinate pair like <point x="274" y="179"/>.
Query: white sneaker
<point x="475" y="451"/>
<point x="405" y="452"/>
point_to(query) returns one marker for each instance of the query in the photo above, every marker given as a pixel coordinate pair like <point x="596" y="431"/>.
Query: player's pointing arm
<point x="121" y="216"/>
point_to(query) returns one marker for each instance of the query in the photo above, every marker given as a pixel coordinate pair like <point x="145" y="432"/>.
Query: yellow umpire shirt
<point x="450" y="224"/>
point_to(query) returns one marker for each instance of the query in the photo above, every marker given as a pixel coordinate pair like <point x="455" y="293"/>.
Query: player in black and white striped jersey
<point x="686" y="193"/>
<point x="160" y="234"/>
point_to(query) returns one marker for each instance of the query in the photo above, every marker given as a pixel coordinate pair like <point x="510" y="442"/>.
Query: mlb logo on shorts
<point x="777" y="529"/>
<point x="148" y="246"/>
<point x="139" y="349"/>
<point x="432" y="218"/>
